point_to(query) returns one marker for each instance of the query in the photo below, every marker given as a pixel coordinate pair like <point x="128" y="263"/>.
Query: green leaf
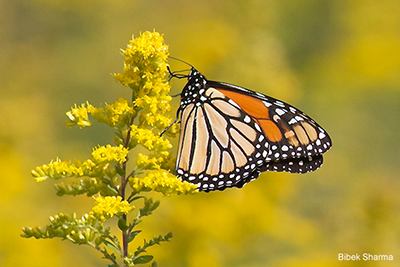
<point x="152" y="242"/>
<point x="168" y="236"/>
<point x="133" y="235"/>
<point x="155" y="205"/>
<point x="132" y="198"/>
<point x="143" y="259"/>
<point x="149" y="207"/>
<point x="109" y="189"/>
<point x="154" y="264"/>
<point x="98" y="241"/>
<point x="114" y="192"/>
<point x="119" y="170"/>
<point x="112" y="246"/>
<point x="109" y="256"/>
<point x="122" y="225"/>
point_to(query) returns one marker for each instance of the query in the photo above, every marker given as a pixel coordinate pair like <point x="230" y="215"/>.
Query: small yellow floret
<point x="110" y="153"/>
<point x="107" y="207"/>
<point x="163" y="182"/>
<point x="78" y="116"/>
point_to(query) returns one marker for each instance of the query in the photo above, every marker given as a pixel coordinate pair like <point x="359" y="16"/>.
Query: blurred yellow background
<point x="339" y="61"/>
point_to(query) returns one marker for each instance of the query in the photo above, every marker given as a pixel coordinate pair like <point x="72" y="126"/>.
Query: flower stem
<point x="124" y="179"/>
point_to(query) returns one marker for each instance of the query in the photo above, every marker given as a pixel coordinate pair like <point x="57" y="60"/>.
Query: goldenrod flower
<point x="119" y="111"/>
<point x="145" y="62"/>
<point x="145" y="72"/>
<point x="59" y="169"/>
<point x="145" y="69"/>
<point x="78" y="116"/>
<point x="114" y="115"/>
<point x="148" y="139"/>
<point x="163" y="182"/>
<point x="137" y="122"/>
<point x="109" y="154"/>
<point x="107" y="207"/>
<point x="91" y="167"/>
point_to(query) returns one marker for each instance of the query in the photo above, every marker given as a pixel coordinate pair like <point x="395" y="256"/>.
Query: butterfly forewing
<point x="230" y="134"/>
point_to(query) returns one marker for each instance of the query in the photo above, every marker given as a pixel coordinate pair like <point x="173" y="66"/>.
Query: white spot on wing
<point x="276" y="118"/>
<point x="267" y="104"/>
<point x="292" y="121"/>
<point x="279" y="111"/>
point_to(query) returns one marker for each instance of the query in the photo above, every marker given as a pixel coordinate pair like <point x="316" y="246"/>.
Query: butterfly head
<point x="194" y="74"/>
<point x="194" y="90"/>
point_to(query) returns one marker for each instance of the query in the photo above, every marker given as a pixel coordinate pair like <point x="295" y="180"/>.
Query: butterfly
<point x="229" y="135"/>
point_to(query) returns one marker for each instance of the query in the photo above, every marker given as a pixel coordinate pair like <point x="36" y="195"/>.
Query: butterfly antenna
<point x="180" y="60"/>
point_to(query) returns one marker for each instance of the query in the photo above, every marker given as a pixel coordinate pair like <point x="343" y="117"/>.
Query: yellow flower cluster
<point x="148" y="139"/>
<point x="163" y="182"/>
<point x="59" y="169"/>
<point x="160" y="158"/>
<point x="107" y="207"/>
<point x="119" y="111"/>
<point x="79" y="116"/>
<point x="145" y="58"/>
<point x="145" y="69"/>
<point x="110" y="153"/>
<point x="150" y="162"/>
<point x="116" y="113"/>
<point x="145" y="72"/>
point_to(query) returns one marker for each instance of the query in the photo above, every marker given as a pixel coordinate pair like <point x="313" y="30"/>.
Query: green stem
<point x="124" y="179"/>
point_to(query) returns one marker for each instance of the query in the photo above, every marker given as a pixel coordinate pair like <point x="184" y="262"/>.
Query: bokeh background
<point x="339" y="61"/>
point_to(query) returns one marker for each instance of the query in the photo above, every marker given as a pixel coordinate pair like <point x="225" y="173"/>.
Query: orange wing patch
<point x="258" y="111"/>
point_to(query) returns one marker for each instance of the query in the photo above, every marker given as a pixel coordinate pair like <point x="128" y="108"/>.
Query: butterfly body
<point x="229" y="135"/>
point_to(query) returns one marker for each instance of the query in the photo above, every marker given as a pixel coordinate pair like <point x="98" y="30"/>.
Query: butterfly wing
<point x="290" y="132"/>
<point x="229" y="135"/>
<point x="217" y="144"/>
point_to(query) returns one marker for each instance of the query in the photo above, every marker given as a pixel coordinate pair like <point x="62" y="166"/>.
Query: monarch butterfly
<point x="229" y="135"/>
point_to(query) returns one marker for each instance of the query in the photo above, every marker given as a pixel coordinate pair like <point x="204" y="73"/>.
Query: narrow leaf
<point x="143" y="259"/>
<point x="112" y="246"/>
<point x="133" y="235"/>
